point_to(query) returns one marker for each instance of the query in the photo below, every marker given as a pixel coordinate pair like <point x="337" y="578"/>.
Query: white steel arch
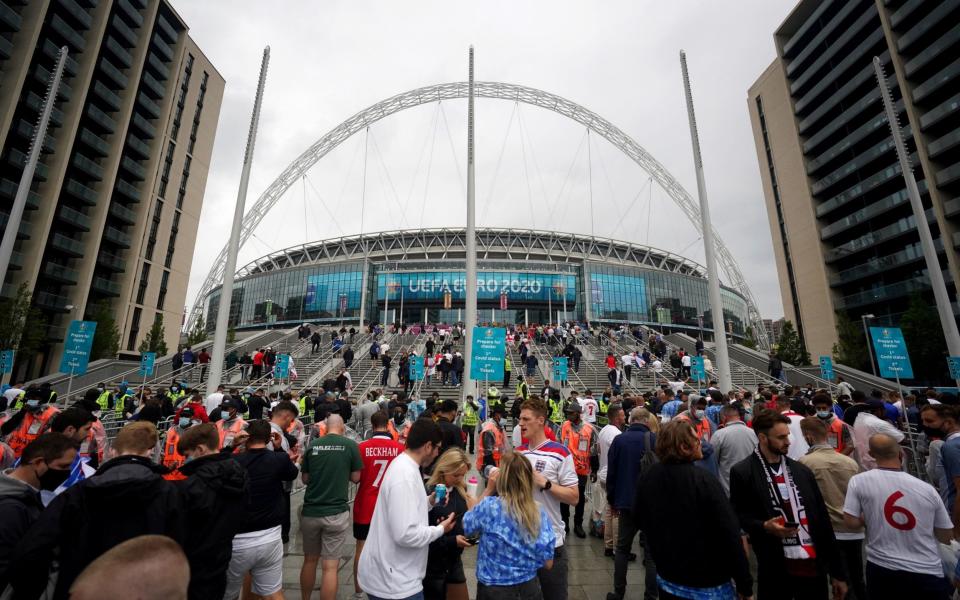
<point x="495" y="90"/>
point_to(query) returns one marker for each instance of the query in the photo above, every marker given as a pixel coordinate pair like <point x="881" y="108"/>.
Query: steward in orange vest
<point x="29" y="423"/>
<point x="839" y="434"/>
<point x="171" y="457"/>
<point x="581" y="439"/>
<point x="230" y="424"/>
<point x="697" y="418"/>
<point x="492" y="442"/>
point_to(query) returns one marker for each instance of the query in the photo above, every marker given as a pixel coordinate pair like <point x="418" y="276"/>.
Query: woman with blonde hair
<point x="444" y="577"/>
<point x="516" y="535"/>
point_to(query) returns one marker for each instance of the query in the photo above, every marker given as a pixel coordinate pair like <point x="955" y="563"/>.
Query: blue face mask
<point x="700" y="414"/>
<point x="184" y="422"/>
<point x="187" y="459"/>
<point x="173" y="389"/>
<point x="824" y="414"/>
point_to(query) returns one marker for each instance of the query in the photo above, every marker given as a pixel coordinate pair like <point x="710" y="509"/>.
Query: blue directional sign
<point x="76" y="348"/>
<point x="416" y="368"/>
<point x="697" y="369"/>
<point x="953" y="362"/>
<point x="489" y="346"/>
<point x="891" y="351"/>
<point x="6" y="361"/>
<point x="560" y="368"/>
<point x="826" y="368"/>
<point x="147" y="362"/>
<point x="281" y="370"/>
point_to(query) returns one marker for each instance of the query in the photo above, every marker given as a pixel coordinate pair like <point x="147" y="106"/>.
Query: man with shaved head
<point x="329" y="465"/>
<point x="904" y="517"/>
<point x="148" y="567"/>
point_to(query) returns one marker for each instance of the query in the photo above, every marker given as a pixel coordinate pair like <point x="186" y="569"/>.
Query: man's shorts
<point x="325" y="536"/>
<point x="265" y="564"/>
<point x="361" y="531"/>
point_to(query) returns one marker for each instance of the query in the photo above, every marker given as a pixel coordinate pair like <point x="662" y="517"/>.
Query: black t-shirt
<point x="266" y="472"/>
<point x="444" y="553"/>
<point x="256" y="404"/>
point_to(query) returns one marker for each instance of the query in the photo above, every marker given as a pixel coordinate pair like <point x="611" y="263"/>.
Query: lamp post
<point x="866" y="333"/>
<point x="700" y="325"/>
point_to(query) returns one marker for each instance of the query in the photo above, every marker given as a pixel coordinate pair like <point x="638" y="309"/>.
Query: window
<point x="144" y="277"/>
<point x="134" y="330"/>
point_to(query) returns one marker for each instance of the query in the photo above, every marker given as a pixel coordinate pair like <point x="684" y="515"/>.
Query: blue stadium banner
<point x="76" y="347"/>
<point x="826" y="368"/>
<point x="416" y="368"/>
<point x="147" y="361"/>
<point x="697" y="370"/>
<point x="891" y="351"/>
<point x="6" y="361"/>
<point x="489" y="346"/>
<point x="560" y="368"/>
<point x="281" y="370"/>
<point x="953" y="362"/>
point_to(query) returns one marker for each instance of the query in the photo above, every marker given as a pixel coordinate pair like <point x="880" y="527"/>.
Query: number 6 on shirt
<point x="890" y="509"/>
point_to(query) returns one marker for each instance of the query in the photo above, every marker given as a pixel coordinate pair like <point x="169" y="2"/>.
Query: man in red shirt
<point x="204" y="360"/>
<point x="258" y="364"/>
<point x="376" y="453"/>
<point x="196" y="404"/>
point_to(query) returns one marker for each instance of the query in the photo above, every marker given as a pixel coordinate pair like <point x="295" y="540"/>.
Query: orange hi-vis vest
<point x="835" y="434"/>
<point x="30" y="429"/>
<point x="579" y="445"/>
<point x="228" y="433"/>
<point x="171" y="456"/>
<point x="499" y="443"/>
<point x="701" y="428"/>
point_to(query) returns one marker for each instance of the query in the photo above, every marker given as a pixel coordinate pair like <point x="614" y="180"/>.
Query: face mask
<point x="173" y="389"/>
<point x="97" y="413"/>
<point x="100" y="389"/>
<point x="52" y="479"/>
<point x="700" y="414"/>
<point x="187" y="459"/>
<point x="824" y="414"/>
<point x="184" y="422"/>
<point x="33" y="404"/>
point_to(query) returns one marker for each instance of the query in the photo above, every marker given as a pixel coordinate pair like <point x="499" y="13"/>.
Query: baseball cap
<point x="573" y="407"/>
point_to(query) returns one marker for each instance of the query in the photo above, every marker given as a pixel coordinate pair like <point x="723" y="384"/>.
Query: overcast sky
<point x="535" y="169"/>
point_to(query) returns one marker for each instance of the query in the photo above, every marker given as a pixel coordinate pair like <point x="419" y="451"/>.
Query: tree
<point x="198" y="334"/>
<point x="791" y="349"/>
<point x="851" y="346"/>
<point x="231" y="335"/>
<point x="925" y="342"/>
<point x="106" y="340"/>
<point x="22" y="327"/>
<point x="153" y="341"/>
<point x="749" y="340"/>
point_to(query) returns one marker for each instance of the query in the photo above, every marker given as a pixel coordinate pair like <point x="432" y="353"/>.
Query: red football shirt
<point x="376" y="453"/>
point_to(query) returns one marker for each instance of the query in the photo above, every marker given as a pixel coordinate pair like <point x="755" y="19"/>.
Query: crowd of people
<point x="781" y="492"/>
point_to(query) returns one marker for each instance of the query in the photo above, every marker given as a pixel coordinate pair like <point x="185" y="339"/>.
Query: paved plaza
<point x="590" y="575"/>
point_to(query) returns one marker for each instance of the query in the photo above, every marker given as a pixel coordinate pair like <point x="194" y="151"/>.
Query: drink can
<point x="441" y="492"/>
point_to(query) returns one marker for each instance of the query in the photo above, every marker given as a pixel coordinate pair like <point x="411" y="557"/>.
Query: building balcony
<point x="138" y="147"/>
<point x="74" y="217"/>
<point x="115" y="74"/>
<point x="6" y="48"/>
<point x="148" y="130"/>
<point x="106" y="286"/>
<point x="81" y="192"/>
<point x="35" y="103"/>
<point x="94" y="142"/>
<point x="947" y="76"/>
<point x="26" y="131"/>
<point x="9" y="189"/>
<point x="123" y="213"/>
<point x="904" y="226"/>
<point x="162" y="48"/>
<point x="19" y="160"/>
<point x="88" y="166"/>
<point x="884" y="293"/>
<point x="120" y="54"/>
<point x="67" y="245"/>
<point x="23" y="232"/>
<point x="54" y="302"/>
<point x="102" y="119"/>
<point x="52" y="51"/>
<point x="167" y="30"/>
<point x="133" y="167"/>
<point x="876" y="266"/>
<point x="115" y="236"/>
<point x="153" y="87"/>
<point x="151" y="107"/>
<point x="873" y="210"/>
<point x="130" y="13"/>
<point x="128" y="190"/>
<point x="948" y="175"/>
<point x="111" y="262"/>
<point x="43" y="77"/>
<point x="162" y="70"/>
<point x="127" y="35"/>
<point x="77" y="13"/>
<point x="111" y="98"/>
<point x="9" y="17"/>
<point x="61" y="273"/>
<point x="67" y="33"/>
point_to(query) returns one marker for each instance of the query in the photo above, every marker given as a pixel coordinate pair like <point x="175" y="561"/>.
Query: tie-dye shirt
<point x="506" y="555"/>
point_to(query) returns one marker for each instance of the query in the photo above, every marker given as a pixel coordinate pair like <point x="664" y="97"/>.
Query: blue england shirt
<point x="505" y="556"/>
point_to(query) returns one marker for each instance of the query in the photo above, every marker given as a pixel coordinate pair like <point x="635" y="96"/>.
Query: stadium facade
<point x="524" y="277"/>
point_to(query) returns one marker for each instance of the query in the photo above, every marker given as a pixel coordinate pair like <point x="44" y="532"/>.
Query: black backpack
<point x="649" y="457"/>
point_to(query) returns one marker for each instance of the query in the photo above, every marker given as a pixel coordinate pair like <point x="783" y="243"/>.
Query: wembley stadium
<point x="523" y="277"/>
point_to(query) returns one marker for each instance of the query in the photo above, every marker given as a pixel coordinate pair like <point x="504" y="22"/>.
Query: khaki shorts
<point x="325" y="536"/>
